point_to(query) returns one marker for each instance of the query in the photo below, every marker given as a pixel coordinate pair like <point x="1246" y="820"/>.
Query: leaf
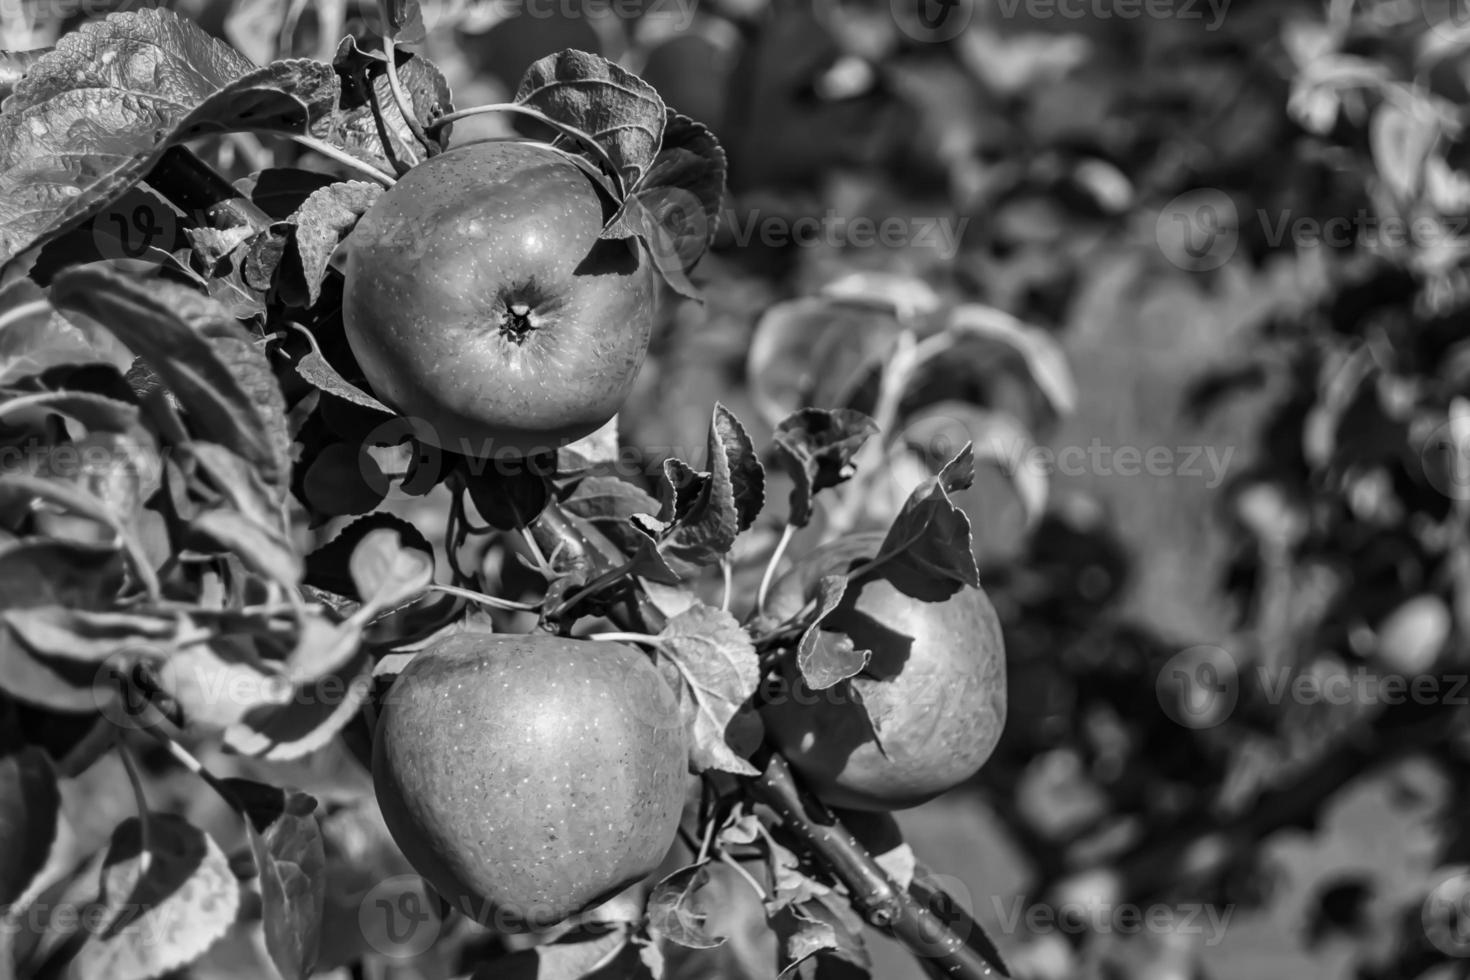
<point x="245" y="358"/>
<point x="607" y="500"/>
<point x="815" y="928"/>
<point x="823" y="657"/>
<point x="30" y="808"/>
<point x="675" y="208"/>
<point x="728" y="439"/>
<point x="511" y="496"/>
<point x="84" y="635"/>
<point x="1044" y="360"/>
<point x="1401" y="140"/>
<point x="34" y="337"/>
<point x="92" y="116"/>
<point x="166" y="325"/>
<point x="328" y="567"/>
<point x="323" y="221"/>
<point x="675" y="912"/>
<point x="259" y="548"/>
<point x="619" y="110"/>
<point x="817" y="447"/>
<point x="286" y="842"/>
<point x="315" y="371"/>
<point x="363" y="76"/>
<point x="312" y="717"/>
<point x="387" y="570"/>
<point x="908" y="296"/>
<point x="937" y="431"/>
<point x="164" y="907"/>
<point x="932" y="535"/>
<point x="811" y="351"/>
<point x="216" y="684"/>
<point x="705" y="511"/>
<point x="583" y="955"/>
<point x="711" y="662"/>
<point x="344" y="479"/>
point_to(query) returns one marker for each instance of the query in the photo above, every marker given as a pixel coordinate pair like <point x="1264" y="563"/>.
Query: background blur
<point x="1236" y="614"/>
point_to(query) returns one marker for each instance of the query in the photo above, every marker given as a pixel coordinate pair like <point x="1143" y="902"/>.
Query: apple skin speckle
<point x="480" y="298"/>
<point x="529" y="778"/>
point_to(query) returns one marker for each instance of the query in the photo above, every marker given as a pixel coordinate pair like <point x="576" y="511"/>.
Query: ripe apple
<point x="479" y="298"/>
<point x="936" y="678"/>
<point x="529" y="778"/>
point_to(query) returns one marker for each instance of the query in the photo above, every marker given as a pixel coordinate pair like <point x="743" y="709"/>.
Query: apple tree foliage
<point x="203" y="579"/>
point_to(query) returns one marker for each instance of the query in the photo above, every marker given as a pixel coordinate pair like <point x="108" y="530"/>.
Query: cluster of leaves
<point x="185" y="418"/>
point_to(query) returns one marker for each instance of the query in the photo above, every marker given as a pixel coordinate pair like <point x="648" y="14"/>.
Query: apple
<point x="936" y="679"/>
<point x="479" y="298"/>
<point x="529" y="778"/>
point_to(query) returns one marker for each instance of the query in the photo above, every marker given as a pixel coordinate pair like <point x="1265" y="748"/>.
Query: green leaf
<point x="932" y="535"/>
<point x="163" y="907"/>
<point x="387" y="570"/>
<point x="823" y="657"/>
<point x="814" y="929"/>
<point x="260" y="548"/>
<point x="286" y="842"/>
<point x="322" y="222"/>
<point x="619" y="110"/>
<point x="675" y="912"/>
<point x="317" y="372"/>
<point x="312" y="717"/>
<point x="581" y="955"/>
<point x="172" y="328"/>
<point x="676" y="206"/>
<point x="80" y="634"/>
<point x="344" y="479"/>
<point x="328" y="566"/>
<point x="363" y="76"/>
<point x="711" y="663"/>
<point x="817" y="448"/>
<point x="93" y="115"/>
<point x="34" y="337"/>
<point x="1042" y="358"/>
<point x="30" y="808"/>
<point x="939" y="430"/>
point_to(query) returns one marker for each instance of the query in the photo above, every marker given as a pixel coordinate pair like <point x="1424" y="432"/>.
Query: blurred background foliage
<point x="1150" y="193"/>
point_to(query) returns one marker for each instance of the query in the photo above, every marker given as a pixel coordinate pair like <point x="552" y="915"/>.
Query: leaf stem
<point x="739" y="869"/>
<point x="617" y="637"/>
<point x="405" y="104"/>
<point x="769" y="575"/>
<point x="515" y="108"/>
<point x="509" y="605"/>
<point x="135" y="779"/>
<point x="346" y="159"/>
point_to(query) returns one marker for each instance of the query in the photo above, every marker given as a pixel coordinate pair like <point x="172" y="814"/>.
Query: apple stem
<point x="929" y="936"/>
